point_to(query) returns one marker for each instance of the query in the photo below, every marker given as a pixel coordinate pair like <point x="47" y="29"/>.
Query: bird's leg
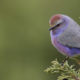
<point x="64" y="60"/>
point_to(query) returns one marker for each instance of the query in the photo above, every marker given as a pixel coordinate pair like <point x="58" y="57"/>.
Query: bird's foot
<point x="64" y="60"/>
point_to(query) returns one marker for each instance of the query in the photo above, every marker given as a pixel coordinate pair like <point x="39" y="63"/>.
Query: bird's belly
<point x="61" y="48"/>
<point x="64" y="49"/>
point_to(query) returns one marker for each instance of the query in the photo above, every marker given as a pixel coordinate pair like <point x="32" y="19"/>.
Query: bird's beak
<point x="51" y="28"/>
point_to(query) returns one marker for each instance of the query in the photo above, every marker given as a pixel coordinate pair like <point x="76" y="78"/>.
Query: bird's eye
<point x="58" y="24"/>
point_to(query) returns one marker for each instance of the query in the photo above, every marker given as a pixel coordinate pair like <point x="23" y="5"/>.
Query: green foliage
<point x="66" y="71"/>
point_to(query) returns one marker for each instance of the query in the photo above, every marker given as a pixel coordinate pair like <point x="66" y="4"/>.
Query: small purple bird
<point x="65" y="35"/>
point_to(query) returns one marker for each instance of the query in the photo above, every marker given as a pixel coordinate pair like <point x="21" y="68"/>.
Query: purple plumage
<point x="66" y="50"/>
<point x="65" y="35"/>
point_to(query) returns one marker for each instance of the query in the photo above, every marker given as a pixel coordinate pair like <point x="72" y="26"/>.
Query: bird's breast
<point x="61" y="48"/>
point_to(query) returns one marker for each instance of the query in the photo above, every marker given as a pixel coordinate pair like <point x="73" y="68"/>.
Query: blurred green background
<point x="25" y="46"/>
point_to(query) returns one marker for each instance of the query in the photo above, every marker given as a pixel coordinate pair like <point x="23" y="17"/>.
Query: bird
<point x="65" y="35"/>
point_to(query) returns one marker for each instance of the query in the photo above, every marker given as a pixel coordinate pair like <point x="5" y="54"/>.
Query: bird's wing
<point x="70" y="37"/>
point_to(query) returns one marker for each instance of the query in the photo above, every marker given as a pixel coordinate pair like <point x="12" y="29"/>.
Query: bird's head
<point x="57" y="23"/>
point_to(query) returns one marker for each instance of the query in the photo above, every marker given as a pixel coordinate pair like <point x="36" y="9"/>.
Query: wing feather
<point x="70" y="37"/>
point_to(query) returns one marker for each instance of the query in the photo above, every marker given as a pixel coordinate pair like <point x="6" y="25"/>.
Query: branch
<point x="67" y="72"/>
